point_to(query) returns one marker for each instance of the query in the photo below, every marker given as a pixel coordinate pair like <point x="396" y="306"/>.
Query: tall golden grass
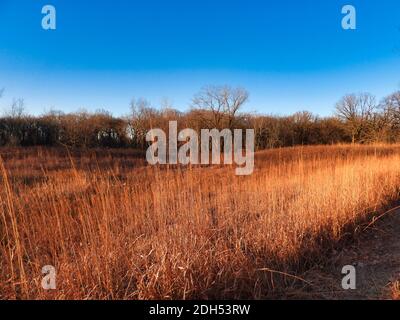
<point x="395" y="290"/>
<point x="117" y="229"/>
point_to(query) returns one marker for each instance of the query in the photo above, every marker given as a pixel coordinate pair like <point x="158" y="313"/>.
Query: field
<point x="115" y="228"/>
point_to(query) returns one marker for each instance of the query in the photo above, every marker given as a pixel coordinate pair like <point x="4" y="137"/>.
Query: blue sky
<point x="290" y="55"/>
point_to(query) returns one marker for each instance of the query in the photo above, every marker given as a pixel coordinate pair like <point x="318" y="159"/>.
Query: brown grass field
<point x="115" y="228"/>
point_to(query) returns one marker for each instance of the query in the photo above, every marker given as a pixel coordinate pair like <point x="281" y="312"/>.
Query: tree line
<point x="358" y="118"/>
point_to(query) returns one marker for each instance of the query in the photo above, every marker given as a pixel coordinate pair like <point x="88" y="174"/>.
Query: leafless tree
<point x="391" y="108"/>
<point x="223" y="101"/>
<point x="1" y="92"/>
<point x="17" y="108"/>
<point x="357" y="112"/>
<point x="143" y="117"/>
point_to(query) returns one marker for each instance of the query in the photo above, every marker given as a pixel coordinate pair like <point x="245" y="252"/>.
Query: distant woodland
<point x="358" y="118"/>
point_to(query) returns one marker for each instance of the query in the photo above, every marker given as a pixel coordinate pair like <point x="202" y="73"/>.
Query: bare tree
<point x="267" y="131"/>
<point x="17" y="108"/>
<point x="391" y="108"/>
<point x="389" y="117"/>
<point x="143" y="118"/>
<point x="357" y="111"/>
<point x="1" y="92"/>
<point x="223" y="101"/>
<point x="303" y="126"/>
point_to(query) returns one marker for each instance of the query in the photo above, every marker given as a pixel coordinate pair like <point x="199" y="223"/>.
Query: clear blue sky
<point x="290" y="54"/>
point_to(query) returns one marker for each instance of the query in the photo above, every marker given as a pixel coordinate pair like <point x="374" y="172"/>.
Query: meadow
<point x="117" y="228"/>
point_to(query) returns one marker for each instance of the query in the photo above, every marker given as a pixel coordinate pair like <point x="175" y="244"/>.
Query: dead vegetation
<point x="395" y="288"/>
<point x="115" y="228"/>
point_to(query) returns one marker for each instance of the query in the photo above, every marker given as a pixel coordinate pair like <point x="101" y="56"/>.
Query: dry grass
<point x="116" y="229"/>
<point x="395" y="290"/>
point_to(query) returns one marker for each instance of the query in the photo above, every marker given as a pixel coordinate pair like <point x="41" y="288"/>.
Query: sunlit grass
<point x="114" y="228"/>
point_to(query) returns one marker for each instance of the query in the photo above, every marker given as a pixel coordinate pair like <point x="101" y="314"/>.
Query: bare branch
<point x="223" y="101"/>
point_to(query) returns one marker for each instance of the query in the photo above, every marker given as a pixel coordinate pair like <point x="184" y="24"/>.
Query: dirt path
<point x="376" y="256"/>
